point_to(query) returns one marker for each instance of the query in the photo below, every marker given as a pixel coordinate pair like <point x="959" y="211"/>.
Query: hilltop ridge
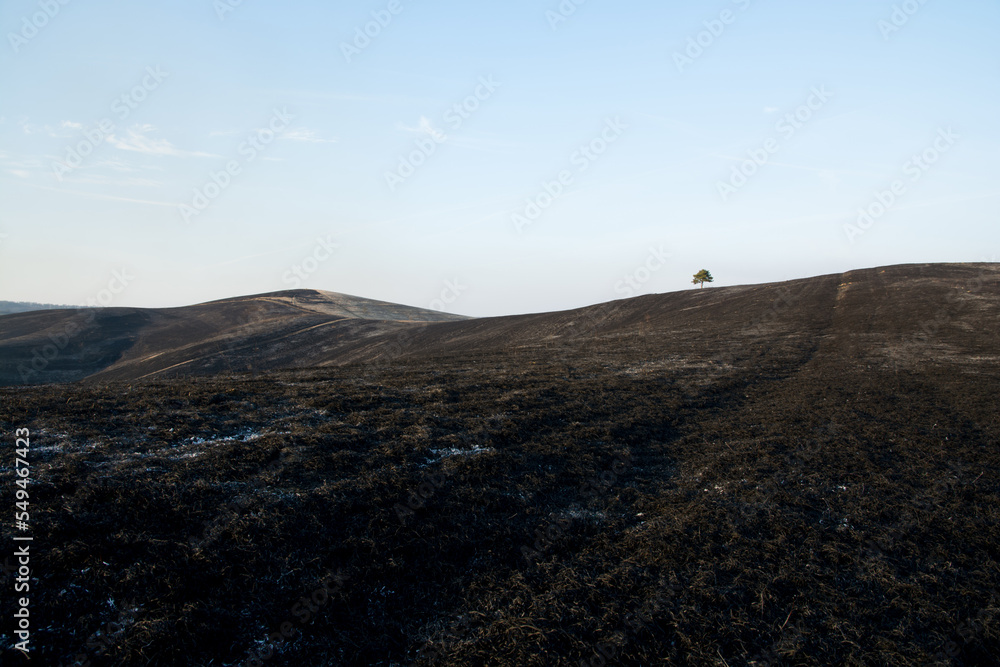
<point x="874" y="313"/>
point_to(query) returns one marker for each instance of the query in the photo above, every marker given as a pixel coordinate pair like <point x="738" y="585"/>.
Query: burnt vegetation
<point x="795" y="474"/>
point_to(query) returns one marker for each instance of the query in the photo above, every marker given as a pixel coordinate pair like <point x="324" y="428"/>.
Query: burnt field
<point x="804" y="474"/>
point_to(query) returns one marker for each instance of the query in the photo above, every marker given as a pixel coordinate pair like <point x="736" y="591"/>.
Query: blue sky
<point x="591" y="155"/>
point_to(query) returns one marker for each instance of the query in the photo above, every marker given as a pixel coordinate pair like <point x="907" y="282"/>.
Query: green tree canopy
<point x="703" y="276"/>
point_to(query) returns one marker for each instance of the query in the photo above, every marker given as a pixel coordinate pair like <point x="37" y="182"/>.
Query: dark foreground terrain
<point x="796" y="474"/>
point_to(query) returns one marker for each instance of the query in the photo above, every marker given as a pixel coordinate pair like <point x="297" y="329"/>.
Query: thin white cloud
<point x="423" y="127"/>
<point x="770" y="109"/>
<point x="136" y="140"/>
<point x="306" y="135"/>
<point x="96" y="195"/>
<point x="22" y="164"/>
<point x="20" y="173"/>
<point x="99" y="179"/>
<point x="124" y="166"/>
<point x="115" y="164"/>
<point x="62" y="132"/>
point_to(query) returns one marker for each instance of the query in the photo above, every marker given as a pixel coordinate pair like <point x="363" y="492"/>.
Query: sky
<point x="487" y="158"/>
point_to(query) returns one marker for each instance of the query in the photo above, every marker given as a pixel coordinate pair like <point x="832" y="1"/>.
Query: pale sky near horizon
<point x="113" y="115"/>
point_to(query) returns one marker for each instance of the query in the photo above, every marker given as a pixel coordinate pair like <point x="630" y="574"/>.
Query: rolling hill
<point x="803" y="473"/>
<point x="877" y="314"/>
<point x="258" y="332"/>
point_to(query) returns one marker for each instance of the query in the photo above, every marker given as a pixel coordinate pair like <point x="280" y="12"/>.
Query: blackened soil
<point x="813" y="481"/>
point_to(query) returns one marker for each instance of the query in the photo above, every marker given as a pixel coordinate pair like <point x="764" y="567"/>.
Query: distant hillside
<point x="874" y="315"/>
<point x="9" y="307"/>
<point x="274" y="330"/>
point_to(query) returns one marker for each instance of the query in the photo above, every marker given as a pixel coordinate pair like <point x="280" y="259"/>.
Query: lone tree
<point x="703" y="277"/>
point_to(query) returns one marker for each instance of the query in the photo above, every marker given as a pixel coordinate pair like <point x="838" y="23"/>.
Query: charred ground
<point x="804" y="474"/>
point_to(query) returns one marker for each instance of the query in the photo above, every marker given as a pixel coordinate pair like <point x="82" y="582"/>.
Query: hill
<point x="804" y="473"/>
<point x="258" y="332"/>
<point x="9" y="307"/>
<point x="878" y="313"/>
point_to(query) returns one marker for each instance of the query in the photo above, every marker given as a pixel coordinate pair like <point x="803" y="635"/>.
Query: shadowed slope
<point x="893" y="316"/>
<point x="896" y="316"/>
<point x="243" y="333"/>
